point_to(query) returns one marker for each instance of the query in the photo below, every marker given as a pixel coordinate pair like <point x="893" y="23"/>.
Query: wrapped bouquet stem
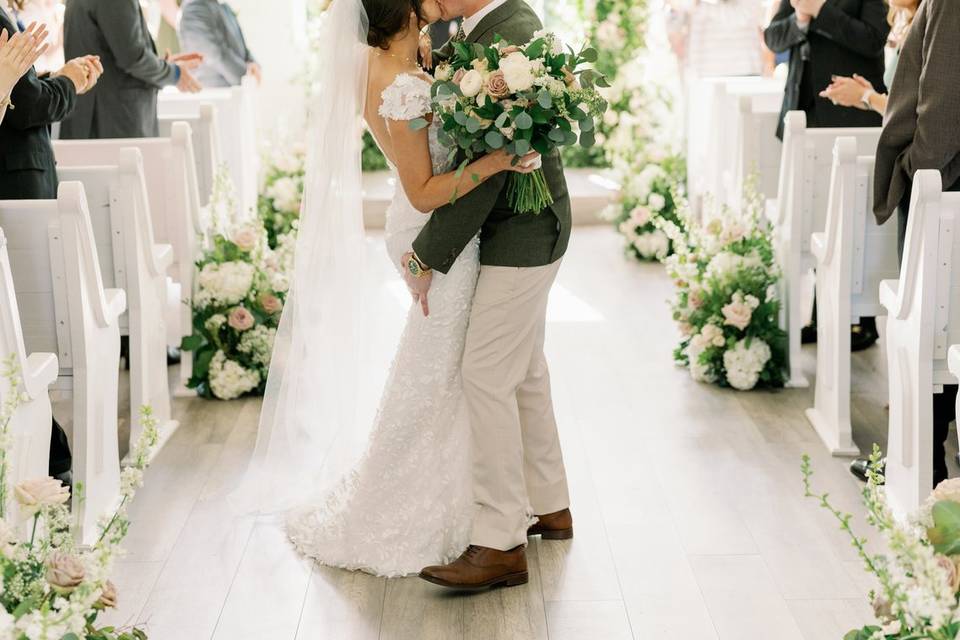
<point x="531" y="98"/>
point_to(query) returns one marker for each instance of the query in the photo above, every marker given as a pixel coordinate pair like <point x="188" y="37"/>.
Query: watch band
<point x="865" y="99"/>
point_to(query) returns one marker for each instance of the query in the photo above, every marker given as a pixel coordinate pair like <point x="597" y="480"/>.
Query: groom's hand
<point x="419" y="287"/>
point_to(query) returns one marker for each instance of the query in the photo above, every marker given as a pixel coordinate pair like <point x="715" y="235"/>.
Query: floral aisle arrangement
<point x="649" y="198"/>
<point x="53" y="589"/>
<point x="726" y="303"/>
<point x="522" y="98"/>
<point x="919" y="578"/>
<point x="281" y="193"/>
<point x="241" y="286"/>
<point x="617" y="28"/>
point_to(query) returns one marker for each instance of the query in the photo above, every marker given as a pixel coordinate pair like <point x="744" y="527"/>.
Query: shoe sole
<point x="512" y="580"/>
<point x="552" y="534"/>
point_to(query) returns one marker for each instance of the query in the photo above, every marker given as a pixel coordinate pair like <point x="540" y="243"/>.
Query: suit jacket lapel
<point x="493" y="20"/>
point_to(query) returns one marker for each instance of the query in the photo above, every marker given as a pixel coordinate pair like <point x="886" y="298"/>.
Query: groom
<point x="518" y="465"/>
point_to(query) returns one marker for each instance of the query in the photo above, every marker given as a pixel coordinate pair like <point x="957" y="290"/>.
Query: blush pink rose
<point x="508" y="50"/>
<point x="737" y="314"/>
<point x="271" y="303"/>
<point x="241" y="319"/>
<point x="497" y="85"/>
<point x="458" y="76"/>
<point x="246" y="239"/>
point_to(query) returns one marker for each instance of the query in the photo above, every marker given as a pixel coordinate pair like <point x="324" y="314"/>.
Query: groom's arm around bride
<point x="518" y="464"/>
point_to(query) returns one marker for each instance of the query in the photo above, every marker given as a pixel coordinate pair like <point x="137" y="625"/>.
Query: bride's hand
<point x="527" y="164"/>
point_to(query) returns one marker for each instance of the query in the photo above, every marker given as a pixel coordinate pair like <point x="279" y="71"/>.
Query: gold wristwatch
<point x="416" y="268"/>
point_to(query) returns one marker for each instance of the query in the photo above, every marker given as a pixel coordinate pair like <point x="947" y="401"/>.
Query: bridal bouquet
<point x="919" y="580"/>
<point x="726" y="304"/>
<point x="648" y="198"/>
<point x="534" y="97"/>
<point x="52" y="588"/>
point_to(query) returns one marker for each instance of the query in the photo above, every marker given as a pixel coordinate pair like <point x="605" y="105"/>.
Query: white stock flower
<point x="472" y="83"/>
<point x="229" y="379"/>
<point x="518" y="72"/>
<point x="653" y="244"/>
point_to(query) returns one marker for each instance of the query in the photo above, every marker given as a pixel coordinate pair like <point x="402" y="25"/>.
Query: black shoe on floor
<point x="173" y="356"/>
<point x="860" y="466"/>
<point x="862" y="337"/>
<point x="808" y="335"/>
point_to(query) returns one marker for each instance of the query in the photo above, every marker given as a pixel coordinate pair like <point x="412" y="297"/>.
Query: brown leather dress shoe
<point x="481" y="567"/>
<point x="553" y="526"/>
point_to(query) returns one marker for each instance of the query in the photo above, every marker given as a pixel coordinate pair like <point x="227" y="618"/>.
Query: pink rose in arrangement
<point x="952" y="576"/>
<point x="108" y="596"/>
<point x="737" y="314"/>
<point x="497" y="85"/>
<point x="245" y="238"/>
<point x="458" y="76"/>
<point x="270" y="303"/>
<point x="508" y="50"/>
<point x="241" y="319"/>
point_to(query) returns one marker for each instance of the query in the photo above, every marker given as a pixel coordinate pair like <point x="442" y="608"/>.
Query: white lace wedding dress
<point x="409" y="501"/>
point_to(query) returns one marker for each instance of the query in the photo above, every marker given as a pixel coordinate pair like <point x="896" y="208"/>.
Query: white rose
<point x="35" y="494"/>
<point x="285" y="194"/>
<point x="471" y="83"/>
<point x="518" y="72"/>
<point x="657" y="202"/>
<point x="713" y="335"/>
<point x="640" y="216"/>
<point x="444" y="72"/>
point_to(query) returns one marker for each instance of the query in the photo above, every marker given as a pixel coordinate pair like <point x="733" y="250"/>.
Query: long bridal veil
<point x="311" y="402"/>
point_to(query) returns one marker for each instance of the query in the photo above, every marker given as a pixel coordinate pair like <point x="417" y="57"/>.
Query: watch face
<point x="414" y="267"/>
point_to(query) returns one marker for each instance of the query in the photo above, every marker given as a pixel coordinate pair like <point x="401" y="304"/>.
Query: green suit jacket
<point x="507" y="239"/>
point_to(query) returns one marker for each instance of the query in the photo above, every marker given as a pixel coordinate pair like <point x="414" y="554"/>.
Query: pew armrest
<point x="953" y="360"/>
<point x="163" y="256"/>
<point x="818" y="246"/>
<point x="890" y="295"/>
<point x="116" y="300"/>
<point x="39" y="373"/>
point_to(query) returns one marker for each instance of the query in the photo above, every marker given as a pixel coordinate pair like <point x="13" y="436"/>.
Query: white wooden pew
<point x="713" y="106"/>
<point x="30" y="424"/>
<point x="853" y="255"/>
<point x="757" y="149"/>
<point x="132" y="261"/>
<point x="237" y="122"/>
<point x="206" y="145"/>
<point x="171" y="175"/>
<point x="923" y="321"/>
<point x="65" y="310"/>
<point x="800" y="210"/>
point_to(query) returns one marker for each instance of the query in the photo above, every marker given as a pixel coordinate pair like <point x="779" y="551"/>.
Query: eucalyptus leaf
<point x="523" y="121"/>
<point x="587" y="139"/>
<point x="602" y="81"/>
<point x="501" y="120"/>
<point x="557" y="135"/>
<point x="587" y="124"/>
<point x="494" y="139"/>
<point x="589" y="55"/>
<point x="945" y="534"/>
<point x="522" y="147"/>
<point x="545" y="99"/>
<point x="473" y="125"/>
<point x="461" y="118"/>
<point x="419" y="124"/>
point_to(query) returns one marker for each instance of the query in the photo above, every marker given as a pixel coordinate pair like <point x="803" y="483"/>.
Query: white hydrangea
<point x="258" y="344"/>
<point x="656" y="202"/>
<point x="229" y="379"/>
<point x="653" y="244"/>
<point x="285" y="194"/>
<point x="225" y="283"/>
<point x="744" y="364"/>
<point x="726" y="265"/>
<point x="699" y="372"/>
<point x="214" y="322"/>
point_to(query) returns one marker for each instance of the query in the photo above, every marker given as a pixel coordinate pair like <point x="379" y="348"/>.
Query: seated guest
<point x="125" y="103"/>
<point x="827" y="38"/>
<point x="921" y="132"/>
<point x="858" y="92"/>
<point x="17" y="55"/>
<point x="211" y="28"/>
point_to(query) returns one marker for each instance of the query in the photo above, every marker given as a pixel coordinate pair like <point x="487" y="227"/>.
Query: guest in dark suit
<point x="922" y="132"/>
<point x="27" y="169"/>
<point x="212" y="29"/>
<point x="18" y="52"/>
<point x="827" y="38"/>
<point x="125" y="103"/>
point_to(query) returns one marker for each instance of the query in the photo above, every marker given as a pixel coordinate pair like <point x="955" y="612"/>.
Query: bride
<point x="408" y="502"/>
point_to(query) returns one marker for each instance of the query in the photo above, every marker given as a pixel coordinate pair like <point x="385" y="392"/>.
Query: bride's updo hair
<point x="389" y="18"/>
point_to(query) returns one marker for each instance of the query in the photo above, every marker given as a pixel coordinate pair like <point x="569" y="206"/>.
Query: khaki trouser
<point x="518" y="465"/>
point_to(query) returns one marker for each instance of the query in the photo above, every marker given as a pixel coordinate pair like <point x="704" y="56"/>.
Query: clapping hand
<point x="848" y="92"/>
<point x="807" y="9"/>
<point x="186" y="62"/>
<point x="18" y="54"/>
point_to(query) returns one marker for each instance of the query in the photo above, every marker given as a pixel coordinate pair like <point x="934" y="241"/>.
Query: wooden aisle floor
<point x="690" y="520"/>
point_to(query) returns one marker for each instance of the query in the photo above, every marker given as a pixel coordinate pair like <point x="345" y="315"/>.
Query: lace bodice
<point x="408" y="98"/>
